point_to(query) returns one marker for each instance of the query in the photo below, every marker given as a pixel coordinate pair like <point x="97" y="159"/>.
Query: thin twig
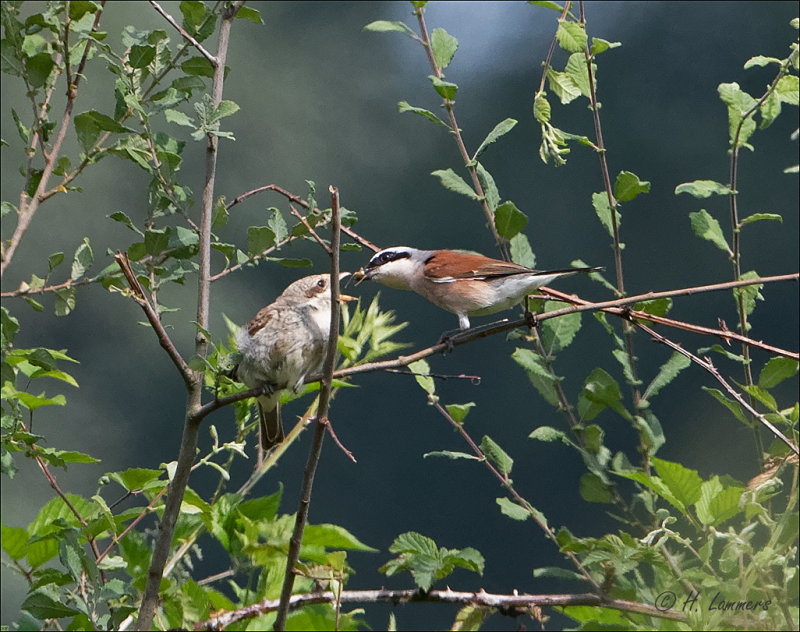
<point x="322" y="422"/>
<point x="213" y="60"/>
<point x="152" y="316"/>
<point x="708" y="366"/>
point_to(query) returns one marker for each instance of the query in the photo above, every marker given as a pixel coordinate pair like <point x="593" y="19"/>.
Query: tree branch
<point x="514" y="604"/>
<point x="322" y="422"/>
<point x="185" y="35"/>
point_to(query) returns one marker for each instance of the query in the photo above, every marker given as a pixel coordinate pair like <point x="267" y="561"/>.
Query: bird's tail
<point x="269" y="412"/>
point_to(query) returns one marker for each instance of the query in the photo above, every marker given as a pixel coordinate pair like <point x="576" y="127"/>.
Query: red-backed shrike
<point x="286" y="341"/>
<point x="463" y="283"/>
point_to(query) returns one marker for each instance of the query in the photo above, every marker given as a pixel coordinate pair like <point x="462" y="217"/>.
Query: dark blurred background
<point x="318" y="99"/>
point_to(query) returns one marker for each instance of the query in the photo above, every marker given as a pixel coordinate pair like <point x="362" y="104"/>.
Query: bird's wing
<point x="447" y="265"/>
<point x="265" y="314"/>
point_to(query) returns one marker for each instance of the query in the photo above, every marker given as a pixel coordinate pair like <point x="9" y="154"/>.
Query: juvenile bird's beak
<point x="346" y="298"/>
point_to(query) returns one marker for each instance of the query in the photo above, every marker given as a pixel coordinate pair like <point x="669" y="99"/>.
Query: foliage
<point x="86" y="560"/>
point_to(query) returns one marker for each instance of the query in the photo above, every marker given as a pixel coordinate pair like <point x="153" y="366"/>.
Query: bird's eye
<point x="321" y="283"/>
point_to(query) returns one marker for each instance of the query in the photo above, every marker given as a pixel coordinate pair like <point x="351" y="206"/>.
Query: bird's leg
<point x="452" y="335"/>
<point x="530" y="317"/>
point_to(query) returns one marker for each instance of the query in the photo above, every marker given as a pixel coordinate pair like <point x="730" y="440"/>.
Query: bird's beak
<point x="345" y="298"/>
<point x="359" y="276"/>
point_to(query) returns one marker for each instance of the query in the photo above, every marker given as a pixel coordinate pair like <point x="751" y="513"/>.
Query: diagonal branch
<point x="152" y="316"/>
<point x="185" y="35"/>
<point x="322" y="422"/>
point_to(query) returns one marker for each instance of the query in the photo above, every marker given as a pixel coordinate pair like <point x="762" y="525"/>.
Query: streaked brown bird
<point x="285" y="342"/>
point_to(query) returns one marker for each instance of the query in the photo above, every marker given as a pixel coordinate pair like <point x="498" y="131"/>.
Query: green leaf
<point x="760" y="60"/>
<point x="421" y="370"/>
<point x="179" y="118"/>
<point x="249" y="13"/>
<point x="141" y="56"/>
<point x="259" y="239"/>
<point x="558" y="333"/>
<point x="577" y="73"/>
<point x="563" y="86"/>
<point x="82" y="260"/>
<point x="739" y="103"/>
<point x="38" y="68"/>
<point x="496" y="455"/>
<point x="459" y="411"/>
<point x="45" y="605"/>
<point x="445" y="89"/>
<point x="333" y="537"/>
<point x="384" y="26"/>
<point x="490" y="192"/>
<point x="451" y="180"/>
<point x="730" y="404"/>
<point x="683" y="483"/>
<point x="403" y="106"/>
<point x="277" y="225"/>
<point x="776" y="370"/>
<point x="600" y="391"/>
<point x="541" y="108"/>
<point x="502" y="128"/>
<point x="594" y="490"/>
<point x="512" y="509"/>
<point x="703" y="188"/>
<point x="571" y="36"/>
<point x="509" y="220"/>
<point x="757" y="217"/>
<point x="65" y="301"/>
<point x="55" y="260"/>
<point x="788" y="89"/>
<point x="708" y="228"/>
<point x="121" y="217"/>
<point x="717" y="503"/>
<point x="88" y="126"/>
<point x="452" y="455"/>
<point x="628" y="186"/>
<point x="540" y="376"/>
<point x="600" y="45"/>
<point x="668" y="372"/>
<point x="443" y="47"/>
<point x="199" y="66"/>
<point x="603" y="210"/>
<point x="749" y="293"/>
<point x="549" y="434"/>
<point x="521" y="252"/>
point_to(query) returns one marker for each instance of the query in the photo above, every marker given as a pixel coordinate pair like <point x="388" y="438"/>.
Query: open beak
<point x="346" y="298"/>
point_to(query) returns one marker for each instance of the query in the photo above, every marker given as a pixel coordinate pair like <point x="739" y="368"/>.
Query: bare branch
<point x="163" y="337"/>
<point x="512" y="605"/>
<point x="185" y="35"/>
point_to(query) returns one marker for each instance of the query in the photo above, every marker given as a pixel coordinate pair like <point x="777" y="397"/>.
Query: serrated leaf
<point x="668" y="372"/>
<point x="490" y="192"/>
<point x="603" y="211"/>
<point x="512" y="509"/>
<point x="730" y="404"/>
<point x="558" y="333"/>
<point x="739" y="103"/>
<point x="683" y="482"/>
<point x="65" y="301"/>
<point x="55" y="260"/>
<point x="708" y="228"/>
<point x="600" y="391"/>
<point x="443" y="47"/>
<point x="496" y="455"/>
<point x="277" y="225"/>
<point x="521" y="252"/>
<point x="571" y="37"/>
<point x="749" y="293"/>
<point x="703" y="188"/>
<point x="82" y="260"/>
<point x="451" y="455"/>
<point x="600" y="45"/>
<point x="776" y="370"/>
<point x="141" y="56"/>
<point x="549" y="434"/>
<point x="502" y="128"/>
<point x="541" y="108"/>
<point x="577" y="72"/>
<point x="454" y="182"/>
<point x="179" y="118"/>
<point x="594" y="490"/>
<point x="123" y="218"/>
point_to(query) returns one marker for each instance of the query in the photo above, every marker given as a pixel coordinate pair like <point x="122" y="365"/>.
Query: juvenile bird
<point x="285" y="342"/>
<point x="463" y="283"/>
